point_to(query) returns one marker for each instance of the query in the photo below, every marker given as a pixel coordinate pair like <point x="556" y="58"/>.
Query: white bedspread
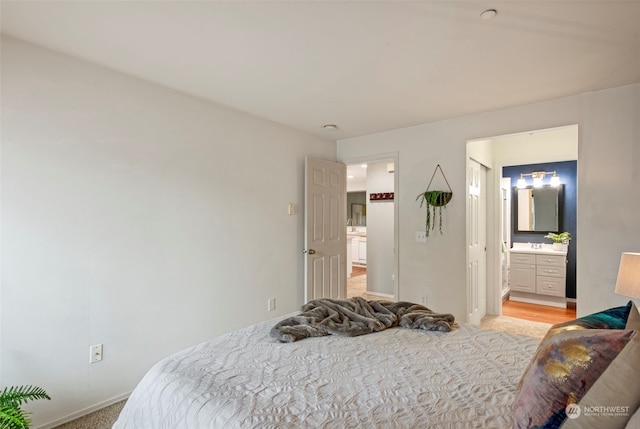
<point x="397" y="378"/>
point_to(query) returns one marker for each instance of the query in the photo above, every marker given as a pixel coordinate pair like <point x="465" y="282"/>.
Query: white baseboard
<point x="381" y="295"/>
<point x="84" y="412"/>
<point x="536" y="299"/>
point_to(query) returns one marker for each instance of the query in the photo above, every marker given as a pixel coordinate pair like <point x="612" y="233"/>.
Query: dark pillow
<point x="633" y="322"/>
<point x="583" y="371"/>
<point x="613" y="318"/>
<point x="587" y="362"/>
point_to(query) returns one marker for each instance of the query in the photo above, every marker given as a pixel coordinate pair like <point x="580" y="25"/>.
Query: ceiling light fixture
<point x="330" y="127"/>
<point x="488" y="14"/>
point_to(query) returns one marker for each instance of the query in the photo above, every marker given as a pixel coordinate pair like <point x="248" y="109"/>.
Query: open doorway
<point x="546" y="149"/>
<point x="371" y="229"/>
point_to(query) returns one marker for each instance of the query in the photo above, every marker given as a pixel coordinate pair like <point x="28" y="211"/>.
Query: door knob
<point x="310" y="251"/>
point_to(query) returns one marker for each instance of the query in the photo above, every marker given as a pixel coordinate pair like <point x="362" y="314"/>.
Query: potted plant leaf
<point x="559" y="239"/>
<point x="433" y="200"/>
<point x="11" y="398"/>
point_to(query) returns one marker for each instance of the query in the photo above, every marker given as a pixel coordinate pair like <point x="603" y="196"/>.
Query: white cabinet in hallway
<point x="362" y="251"/>
<point x="349" y="259"/>
<point x="359" y="250"/>
<point x="354" y="250"/>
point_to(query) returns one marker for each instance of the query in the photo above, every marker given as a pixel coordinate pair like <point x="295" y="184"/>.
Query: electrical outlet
<point x="271" y="304"/>
<point x="421" y="237"/>
<point x="95" y="353"/>
<point x="423" y="300"/>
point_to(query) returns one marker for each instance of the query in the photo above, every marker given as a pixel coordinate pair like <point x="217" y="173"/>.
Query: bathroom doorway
<point x="371" y="228"/>
<point x="546" y="146"/>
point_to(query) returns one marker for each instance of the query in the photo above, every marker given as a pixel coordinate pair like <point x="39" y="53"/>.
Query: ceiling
<point x="356" y="177"/>
<point x="366" y="66"/>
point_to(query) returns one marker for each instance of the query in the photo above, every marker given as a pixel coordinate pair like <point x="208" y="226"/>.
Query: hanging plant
<point x="433" y="200"/>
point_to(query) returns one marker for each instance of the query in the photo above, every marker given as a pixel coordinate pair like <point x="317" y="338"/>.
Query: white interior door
<point x="325" y="238"/>
<point x="477" y="242"/>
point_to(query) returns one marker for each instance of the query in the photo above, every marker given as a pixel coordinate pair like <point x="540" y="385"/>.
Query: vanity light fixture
<point x="538" y="177"/>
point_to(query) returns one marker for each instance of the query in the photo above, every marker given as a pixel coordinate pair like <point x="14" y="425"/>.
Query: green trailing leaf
<point x="11" y="398"/>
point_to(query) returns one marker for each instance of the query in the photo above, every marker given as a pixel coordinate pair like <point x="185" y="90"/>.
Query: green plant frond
<point x="560" y="237"/>
<point x="18" y="395"/>
<point x="13" y="418"/>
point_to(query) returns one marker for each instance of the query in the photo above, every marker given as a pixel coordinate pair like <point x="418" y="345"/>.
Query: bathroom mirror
<point x="357" y="208"/>
<point x="538" y="210"/>
<point x="359" y="214"/>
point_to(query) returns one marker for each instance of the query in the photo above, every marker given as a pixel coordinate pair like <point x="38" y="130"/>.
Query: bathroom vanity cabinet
<point x="538" y="275"/>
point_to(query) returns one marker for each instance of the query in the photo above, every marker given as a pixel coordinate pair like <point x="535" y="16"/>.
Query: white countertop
<point x="547" y="249"/>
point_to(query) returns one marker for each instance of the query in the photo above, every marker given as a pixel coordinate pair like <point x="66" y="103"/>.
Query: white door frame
<point x="396" y="212"/>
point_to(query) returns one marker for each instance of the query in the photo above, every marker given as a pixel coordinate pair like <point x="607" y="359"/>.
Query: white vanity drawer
<point x="523" y="258"/>
<point x="556" y="261"/>
<point x="554" y="286"/>
<point x="550" y="271"/>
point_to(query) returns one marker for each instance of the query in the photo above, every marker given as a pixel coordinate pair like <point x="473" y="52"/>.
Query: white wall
<point x="608" y="196"/>
<point x="136" y="217"/>
<point x="380" y="227"/>
<point x="551" y="145"/>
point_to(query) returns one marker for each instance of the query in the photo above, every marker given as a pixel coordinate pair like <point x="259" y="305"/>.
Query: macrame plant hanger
<point x="434" y="199"/>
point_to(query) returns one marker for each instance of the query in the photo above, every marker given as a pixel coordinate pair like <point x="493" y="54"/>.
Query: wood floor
<point x="537" y="313"/>
<point x="358" y="271"/>
<point x="356" y="286"/>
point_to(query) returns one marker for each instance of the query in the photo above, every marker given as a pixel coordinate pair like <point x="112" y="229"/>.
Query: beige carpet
<point x="101" y="419"/>
<point x="515" y="326"/>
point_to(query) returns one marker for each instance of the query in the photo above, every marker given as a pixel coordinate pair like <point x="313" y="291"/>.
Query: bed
<point x="396" y="378"/>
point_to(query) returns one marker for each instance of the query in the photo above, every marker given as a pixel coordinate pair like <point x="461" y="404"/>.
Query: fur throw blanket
<point x="357" y="316"/>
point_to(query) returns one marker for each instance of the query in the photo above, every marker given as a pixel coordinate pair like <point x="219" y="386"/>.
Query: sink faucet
<point x="350" y="223"/>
